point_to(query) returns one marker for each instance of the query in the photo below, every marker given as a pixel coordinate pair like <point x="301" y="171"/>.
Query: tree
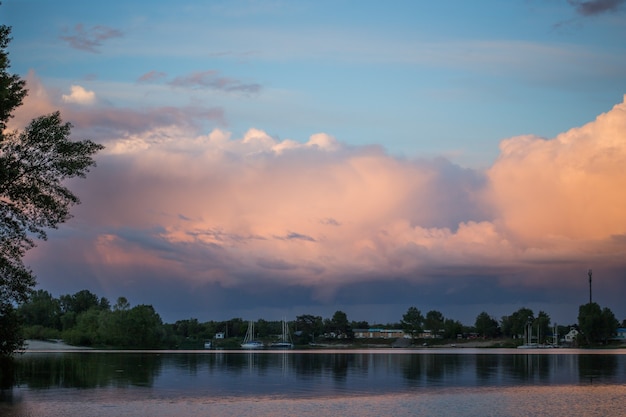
<point x="596" y="324"/>
<point x="434" y="322"/>
<point x="516" y="324"/>
<point x="310" y="326"/>
<point x="340" y="325"/>
<point x="452" y="328"/>
<point x="412" y="322"/>
<point x="42" y="309"/>
<point x="34" y="163"/>
<point x="486" y="326"/>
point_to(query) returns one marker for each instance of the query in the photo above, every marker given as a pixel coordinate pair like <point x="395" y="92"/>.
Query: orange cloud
<point x="567" y="188"/>
<point x="213" y="208"/>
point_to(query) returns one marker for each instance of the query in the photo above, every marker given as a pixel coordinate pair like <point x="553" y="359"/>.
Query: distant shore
<point x="59" y="345"/>
<point x="48" y="345"/>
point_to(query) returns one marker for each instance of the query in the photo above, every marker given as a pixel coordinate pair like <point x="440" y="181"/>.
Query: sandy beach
<point x="44" y="346"/>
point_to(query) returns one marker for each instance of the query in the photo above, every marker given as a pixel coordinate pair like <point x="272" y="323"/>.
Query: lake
<point x="425" y="382"/>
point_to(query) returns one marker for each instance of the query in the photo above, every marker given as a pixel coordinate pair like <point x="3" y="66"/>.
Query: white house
<point x="570" y="337"/>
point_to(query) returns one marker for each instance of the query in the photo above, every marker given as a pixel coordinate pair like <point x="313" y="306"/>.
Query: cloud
<point x="171" y="206"/>
<point x="565" y="190"/>
<point x="594" y="7"/>
<point x="127" y="128"/>
<point x="90" y="39"/>
<point x="211" y="79"/>
<point x="79" y="95"/>
<point x="152" y="76"/>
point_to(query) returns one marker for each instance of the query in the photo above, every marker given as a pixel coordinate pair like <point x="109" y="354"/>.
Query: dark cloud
<point x="212" y="79"/>
<point x="330" y="222"/>
<point x="151" y="76"/>
<point x="594" y="7"/>
<point x="296" y="236"/>
<point x="90" y="39"/>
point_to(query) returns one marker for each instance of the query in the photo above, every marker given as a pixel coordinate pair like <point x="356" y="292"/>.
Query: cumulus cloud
<point x="125" y="127"/>
<point x="90" y="39"/>
<point x="170" y="203"/>
<point x="338" y="215"/>
<point x="79" y="95"/>
<point x="567" y="189"/>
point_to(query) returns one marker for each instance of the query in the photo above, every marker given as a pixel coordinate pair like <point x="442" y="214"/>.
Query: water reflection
<point x="286" y="373"/>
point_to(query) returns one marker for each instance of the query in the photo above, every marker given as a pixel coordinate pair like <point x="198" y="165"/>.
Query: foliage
<point x="434" y="322"/>
<point x="515" y="324"/>
<point x="452" y="328"/>
<point x="486" y="326"/>
<point x="34" y="163"/>
<point x="596" y="325"/>
<point x="339" y="325"/>
<point x="309" y="327"/>
<point x="412" y="322"/>
<point x="85" y="319"/>
<point x="42" y="310"/>
<point x="11" y="336"/>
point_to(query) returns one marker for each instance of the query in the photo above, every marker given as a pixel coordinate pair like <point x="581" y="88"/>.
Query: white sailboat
<point x="285" y="340"/>
<point x="248" y="341"/>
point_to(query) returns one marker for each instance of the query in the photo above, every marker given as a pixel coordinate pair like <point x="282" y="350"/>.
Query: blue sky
<point x="436" y="118"/>
<point x="419" y="78"/>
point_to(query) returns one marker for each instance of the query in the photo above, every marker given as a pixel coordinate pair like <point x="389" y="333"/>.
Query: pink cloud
<point x="105" y="123"/>
<point x="236" y="212"/>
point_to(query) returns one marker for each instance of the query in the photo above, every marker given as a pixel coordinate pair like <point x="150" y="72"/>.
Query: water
<point x="489" y="382"/>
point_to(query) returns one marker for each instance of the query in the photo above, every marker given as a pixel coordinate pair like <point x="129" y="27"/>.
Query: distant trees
<point x="85" y="319"/>
<point x="596" y="324"/>
<point x="515" y="325"/>
<point x="434" y="322"/>
<point x="486" y="326"/>
<point x="339" y="325"/>
<point x="309" y="327"/>
<point x="412" y="322"/>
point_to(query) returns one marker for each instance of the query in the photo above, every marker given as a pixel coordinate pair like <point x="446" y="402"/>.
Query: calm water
<point x="317" y="383"/>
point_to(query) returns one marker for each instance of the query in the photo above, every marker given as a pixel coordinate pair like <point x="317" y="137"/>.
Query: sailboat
<point x="248" y="341"/>
<point x="285" y="339"/>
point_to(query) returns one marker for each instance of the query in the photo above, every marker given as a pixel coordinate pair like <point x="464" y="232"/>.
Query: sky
<point x="268" y="159"/>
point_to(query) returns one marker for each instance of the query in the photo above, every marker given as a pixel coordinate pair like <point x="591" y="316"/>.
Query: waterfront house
<point x="570" y="337"/>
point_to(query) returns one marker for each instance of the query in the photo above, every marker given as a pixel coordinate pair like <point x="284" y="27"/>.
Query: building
<point x="570" y="337"/>
<point x="378" y="333"/>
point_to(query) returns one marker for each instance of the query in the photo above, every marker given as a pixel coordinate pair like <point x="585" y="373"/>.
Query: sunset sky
<point x="277" y="158"/>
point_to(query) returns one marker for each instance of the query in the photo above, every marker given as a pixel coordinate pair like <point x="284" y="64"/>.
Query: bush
<point x="38" y="332"/>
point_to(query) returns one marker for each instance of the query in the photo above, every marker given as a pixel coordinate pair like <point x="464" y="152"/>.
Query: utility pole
<point x="589" y="273"/>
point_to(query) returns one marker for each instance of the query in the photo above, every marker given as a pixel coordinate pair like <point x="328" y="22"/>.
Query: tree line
<point x="88" y="320"/>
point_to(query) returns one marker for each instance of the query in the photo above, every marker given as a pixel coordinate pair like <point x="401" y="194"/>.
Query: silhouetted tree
<point x="486" y="325"/>
<point x="33" y="164"/>
<point x="434" y="322"/>
<point x="596" y="325"/>
<point x="412" y="322"/>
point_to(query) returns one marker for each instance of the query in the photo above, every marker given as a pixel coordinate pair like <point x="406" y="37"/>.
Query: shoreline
<point x="32" y="345"/>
